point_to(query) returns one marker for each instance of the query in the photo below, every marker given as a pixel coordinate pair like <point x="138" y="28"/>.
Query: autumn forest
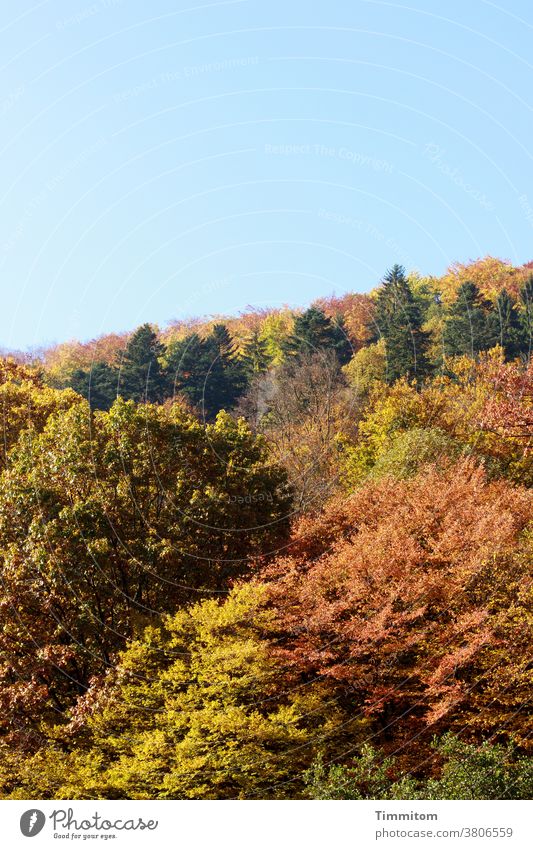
<point x="279" y="555"/>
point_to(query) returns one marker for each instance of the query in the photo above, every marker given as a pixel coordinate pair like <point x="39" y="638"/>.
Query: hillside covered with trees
<point x="280" y="555"/>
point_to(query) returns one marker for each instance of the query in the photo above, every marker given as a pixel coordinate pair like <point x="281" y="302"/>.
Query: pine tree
<point x="141" y="375"/>
<point x="471" y="325"/>
<point x="398" y="321"/>
<point x="314" y="331"/>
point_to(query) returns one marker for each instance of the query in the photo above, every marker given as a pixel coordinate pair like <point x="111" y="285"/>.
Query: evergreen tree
<point x="141" y="375"/>
<point x="187" y="369"/>
<point x="207" y="372"/>
<point x="225" y="377"/>
<point x="508" y="326"/>
<point x="526" y="317"/>
<point x="398" y="321"/>
<point x="255" y="357"/>
<point x="314" y="330"/>
<point x="99" y="385"/>
<point x="471" y="325"/>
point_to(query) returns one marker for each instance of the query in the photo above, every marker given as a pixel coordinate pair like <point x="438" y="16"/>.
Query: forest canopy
<point x="280" y="555"/>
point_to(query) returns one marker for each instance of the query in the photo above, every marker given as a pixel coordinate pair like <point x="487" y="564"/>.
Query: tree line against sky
<point x="286" y="559"/>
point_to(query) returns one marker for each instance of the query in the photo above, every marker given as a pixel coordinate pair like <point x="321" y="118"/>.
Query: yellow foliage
<point x="489" y="274"/>
<point x="195" y="709"/>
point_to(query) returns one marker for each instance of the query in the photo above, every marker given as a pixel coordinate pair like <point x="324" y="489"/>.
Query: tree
<point x="108" y="519"/>
<point x="509" y="331"/>
<point x="98" y="385"/>
<point x="208" y="372"/>
<point x="468" y="771"/>
<point x="412" y="597"/>
<point x="354" y="311"/>
<point x="412" y="449"/>
<point x="398" y="320"/>
<point x="195" y="709"/>
<point x="141" y="374"/>
<point x="369" y="776"/>
<point x="483" y="406"/>
<point x="226" y="376"/>
<point x="470" y="326"/>
<point x="526" y="316"/>
<point x="26" y="403"/>
<point x="255" y="357"/>
<point x="487" y="771"/>
<point x="489" y="274"/>
<point x="187" y="369"/>
<point x="367" y="368"/>
<point x="306" y="406"/>
<point x="508" y="407"/>
<point x="314" y="331"/>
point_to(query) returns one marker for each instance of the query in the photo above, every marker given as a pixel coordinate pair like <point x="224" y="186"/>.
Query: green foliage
<point x="488" y="771"/>
<point x="187" y="369"/>
<point x="99" y="385"/>
<point x="509" y="329"/>
<point x="207" y="372"/>
<point x="389" y="412"/>
<point x="226" y="379"/>
<point x="141" y="375"/>
<point x="526" y="317"/>
<point x="369" y="777"/>
<point x="470" y="326"/>
<point x="414" y="448"/>
<point x="399" y="321"/>
<point x="255" y="356"/>
<point x="106" y="518"/>
<point x="314" y="331"/>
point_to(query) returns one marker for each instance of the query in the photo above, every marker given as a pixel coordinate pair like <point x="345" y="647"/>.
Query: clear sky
<point x="180" y="157"/>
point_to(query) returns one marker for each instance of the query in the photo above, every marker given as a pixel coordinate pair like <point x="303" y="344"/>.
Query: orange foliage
<point x="508" y="410"/>
<point x="61" y="360"/>
<point x="357" y="312"/>
<point x="412" y="596"/>
<point x="491" y="276"/>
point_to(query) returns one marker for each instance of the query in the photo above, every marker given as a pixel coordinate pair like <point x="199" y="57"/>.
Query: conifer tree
<point x="313" y="330"/>
<point x="508" y="326"/>
<point x="141" y="375"/>
<point x="187" y="369"/>
<point x="398" y="321"/>
<point x="225" y="378"/>
<point x="526" y="317"/>
<point x="255" y="357"/>
<point x="99" y="385"/>
<point x="207" y="372"/>
<point x="470" y="326"/>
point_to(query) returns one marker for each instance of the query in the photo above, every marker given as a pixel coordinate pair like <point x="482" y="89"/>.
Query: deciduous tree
<point x="111" y="518"/>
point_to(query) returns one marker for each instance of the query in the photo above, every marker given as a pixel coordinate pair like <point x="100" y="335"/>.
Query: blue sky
<point x="173" y="159"/>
